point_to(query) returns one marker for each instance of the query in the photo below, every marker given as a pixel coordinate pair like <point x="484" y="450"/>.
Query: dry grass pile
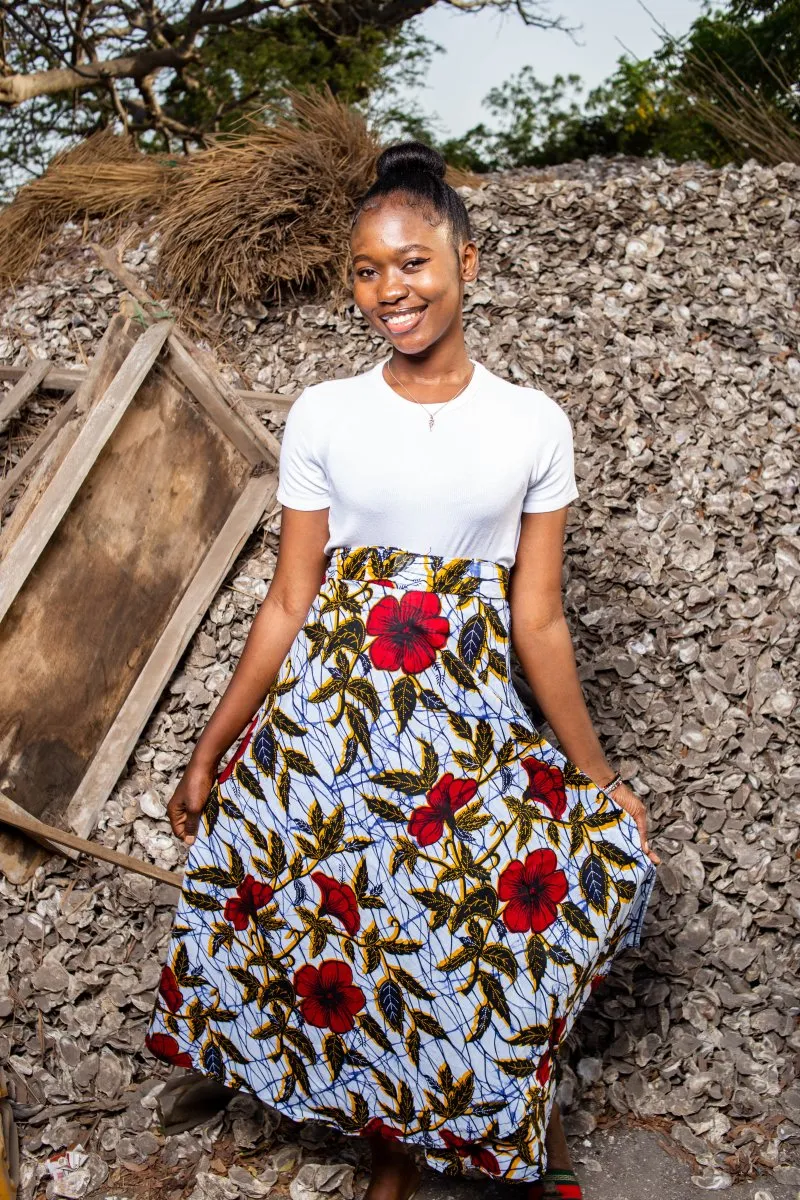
<point x="102" y="177"/>
<point x="260" y="215"/>
<point x="752" y="124"/>
<point x="264" y="214"/>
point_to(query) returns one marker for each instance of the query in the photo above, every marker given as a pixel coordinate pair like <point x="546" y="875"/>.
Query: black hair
<point x="418" y="171"/>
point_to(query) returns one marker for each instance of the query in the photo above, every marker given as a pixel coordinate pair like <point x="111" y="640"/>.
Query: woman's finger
<point x="641" y="823"/>
<point x="191" y="822"/>
<point x="175" y="814"/>
<point x="636" y="809"/>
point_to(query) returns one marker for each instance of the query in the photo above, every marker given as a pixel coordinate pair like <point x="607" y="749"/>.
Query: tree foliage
<point x="176" y="72"/>
<point x="680" y="103"/>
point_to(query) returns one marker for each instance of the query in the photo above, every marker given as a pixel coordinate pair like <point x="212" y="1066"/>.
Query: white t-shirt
<point x="357" y="447"/>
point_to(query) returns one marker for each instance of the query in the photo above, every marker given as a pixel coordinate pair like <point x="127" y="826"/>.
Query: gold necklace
<point x="450" y="401"/>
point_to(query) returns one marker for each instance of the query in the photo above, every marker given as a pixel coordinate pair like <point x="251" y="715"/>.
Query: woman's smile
<point x="403" y="320"/>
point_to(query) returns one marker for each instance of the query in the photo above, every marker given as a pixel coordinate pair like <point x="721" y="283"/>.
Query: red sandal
<point x="556" y="1185"/>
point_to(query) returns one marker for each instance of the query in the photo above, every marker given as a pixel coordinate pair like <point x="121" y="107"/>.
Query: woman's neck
<point x="443" y="369"/>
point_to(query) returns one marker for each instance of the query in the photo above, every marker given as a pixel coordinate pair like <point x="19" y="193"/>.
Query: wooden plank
<point x="36" y="449"/>
<point x="99" y="424"/>
<point x="111" y="352"/>
<point x="116" y="748"/>
<point x="199" y="370"/>
<point x="264" y="400"/>
<point x="16" y="810"/>
<point x="57" y="379"/>
<point x="66" y="379"/>
<point x="11" y="814"/>
<point x="193" y="376"/>
<point x="266" y="442"/>
<point x="27" y="385"/>
<point x="264" y="439"/>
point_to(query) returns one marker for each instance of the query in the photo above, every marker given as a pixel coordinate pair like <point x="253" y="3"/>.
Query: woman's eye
<point x="416" y="262"/>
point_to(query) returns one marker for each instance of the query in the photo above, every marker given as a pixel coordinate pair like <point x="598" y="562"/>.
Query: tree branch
<point x="16" y="89"/>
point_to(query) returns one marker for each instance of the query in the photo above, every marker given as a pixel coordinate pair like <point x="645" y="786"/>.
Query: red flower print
<point x="596" y="982"/>
<point x="545" y="786"/>
<point x="329" y="998"/>
<point x="557" y="1031"/>
<point x="533" y="892"/>
<point x="250" y="897"/>
<point x="166" y="1048"/>
<point x="445" y="798"/>
<point x="556" y="1034"/>
<point x="543" y="1069"/>
<point x="407" y="632"/>
<point x="173" y="997"/>
<point x="239" y="751"/>
<point x="385" y="582"/>
<point x="478" y="1155"/>
<point x="338" y="900"/>
<point x="376" y="1128"/>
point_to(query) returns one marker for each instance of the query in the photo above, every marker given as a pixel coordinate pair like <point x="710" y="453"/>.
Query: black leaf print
<point x="390" y="1000"/>
<point x="264" y="748"/>
<point x="472" y="639"/>
<point x="213" y="1063"/>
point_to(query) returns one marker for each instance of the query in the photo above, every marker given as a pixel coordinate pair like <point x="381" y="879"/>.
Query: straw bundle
<point x="103" y="176"/>
<point x="265" y="214"/>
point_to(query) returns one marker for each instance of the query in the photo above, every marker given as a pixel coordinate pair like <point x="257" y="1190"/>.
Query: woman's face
<point x="408" y="278"/>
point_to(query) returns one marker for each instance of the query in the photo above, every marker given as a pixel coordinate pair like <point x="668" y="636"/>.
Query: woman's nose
<point x="392" y="289"/>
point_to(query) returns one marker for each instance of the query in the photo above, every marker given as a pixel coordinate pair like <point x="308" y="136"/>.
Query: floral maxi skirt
<point x="401" y="895"/>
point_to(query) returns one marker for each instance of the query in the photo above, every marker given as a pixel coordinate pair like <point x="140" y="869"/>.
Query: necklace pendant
<point x="430" y="422"/>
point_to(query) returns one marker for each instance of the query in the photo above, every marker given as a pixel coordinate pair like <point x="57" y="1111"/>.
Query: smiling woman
<point x="405" y="287"/>
<point x="402" y="894"/>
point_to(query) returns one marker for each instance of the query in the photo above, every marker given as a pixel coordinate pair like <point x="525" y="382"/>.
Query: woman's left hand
<point x="626" y="798"/>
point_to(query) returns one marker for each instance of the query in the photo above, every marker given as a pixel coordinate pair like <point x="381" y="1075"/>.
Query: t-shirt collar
<point x="389" y="393"/>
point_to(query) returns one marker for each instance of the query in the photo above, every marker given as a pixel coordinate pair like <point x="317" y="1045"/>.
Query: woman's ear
<point x="469" y="262"/>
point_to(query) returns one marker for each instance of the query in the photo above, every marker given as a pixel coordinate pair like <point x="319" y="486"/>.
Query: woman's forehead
<point x="394" y="226"/>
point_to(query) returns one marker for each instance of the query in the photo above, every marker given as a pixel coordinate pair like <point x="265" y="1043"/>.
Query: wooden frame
<point x="67" y="379"/>
<point x="27" y="383"/>
<point x="150" y="427"/>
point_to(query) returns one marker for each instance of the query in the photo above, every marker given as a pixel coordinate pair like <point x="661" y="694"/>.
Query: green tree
<point x="682" y="102"/>
<point x="175" y="72"/>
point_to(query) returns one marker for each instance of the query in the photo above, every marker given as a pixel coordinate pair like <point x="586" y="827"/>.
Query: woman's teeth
<point x="403" y="322"/>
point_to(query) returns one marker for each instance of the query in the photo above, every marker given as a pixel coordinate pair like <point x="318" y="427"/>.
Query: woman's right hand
<point x="189" y="800"/>
<point x="299" y="571"/>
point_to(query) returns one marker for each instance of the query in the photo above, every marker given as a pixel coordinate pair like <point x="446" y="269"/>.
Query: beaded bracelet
<point x="614" y="783"/>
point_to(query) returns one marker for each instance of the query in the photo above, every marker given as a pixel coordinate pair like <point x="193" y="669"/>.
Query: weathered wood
<point x="27" y="385"/>
<point x="212" y="389"/>
<point x="93" y="635"/>
<point x="192" y="376"/>
<point x="99" y="424"/>
<point x="36" y="449"/>
<point x="11" y="814"/>
<point x="66" y="379"/>
<point x="52" y="847"/>
<point x="197" y="367"/>
<point x="122" y="737"/>
<point x="57" y="379"/>
<point x="111" y="352"/>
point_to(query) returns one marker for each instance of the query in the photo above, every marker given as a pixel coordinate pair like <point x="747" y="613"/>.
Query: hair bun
<point x="411" y="158"/>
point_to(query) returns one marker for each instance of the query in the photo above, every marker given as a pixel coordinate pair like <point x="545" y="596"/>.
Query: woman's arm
<point x="298" y="575"/>
<point x="541" y="638"/>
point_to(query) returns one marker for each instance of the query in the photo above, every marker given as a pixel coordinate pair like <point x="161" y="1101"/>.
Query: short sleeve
<point x="302" y="480"/>
<point x="552" y="482"/>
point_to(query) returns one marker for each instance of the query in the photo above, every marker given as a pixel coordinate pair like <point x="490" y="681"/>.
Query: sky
<point x="484" y="49"/>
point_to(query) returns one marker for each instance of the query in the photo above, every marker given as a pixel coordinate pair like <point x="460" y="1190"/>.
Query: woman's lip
<point x="395" y="332"/>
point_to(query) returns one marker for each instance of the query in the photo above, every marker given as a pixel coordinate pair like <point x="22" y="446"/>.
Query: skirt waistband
<point x="409" y="569"/>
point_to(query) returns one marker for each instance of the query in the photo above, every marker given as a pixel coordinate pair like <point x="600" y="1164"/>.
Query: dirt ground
<point x="621" y="1163"/>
